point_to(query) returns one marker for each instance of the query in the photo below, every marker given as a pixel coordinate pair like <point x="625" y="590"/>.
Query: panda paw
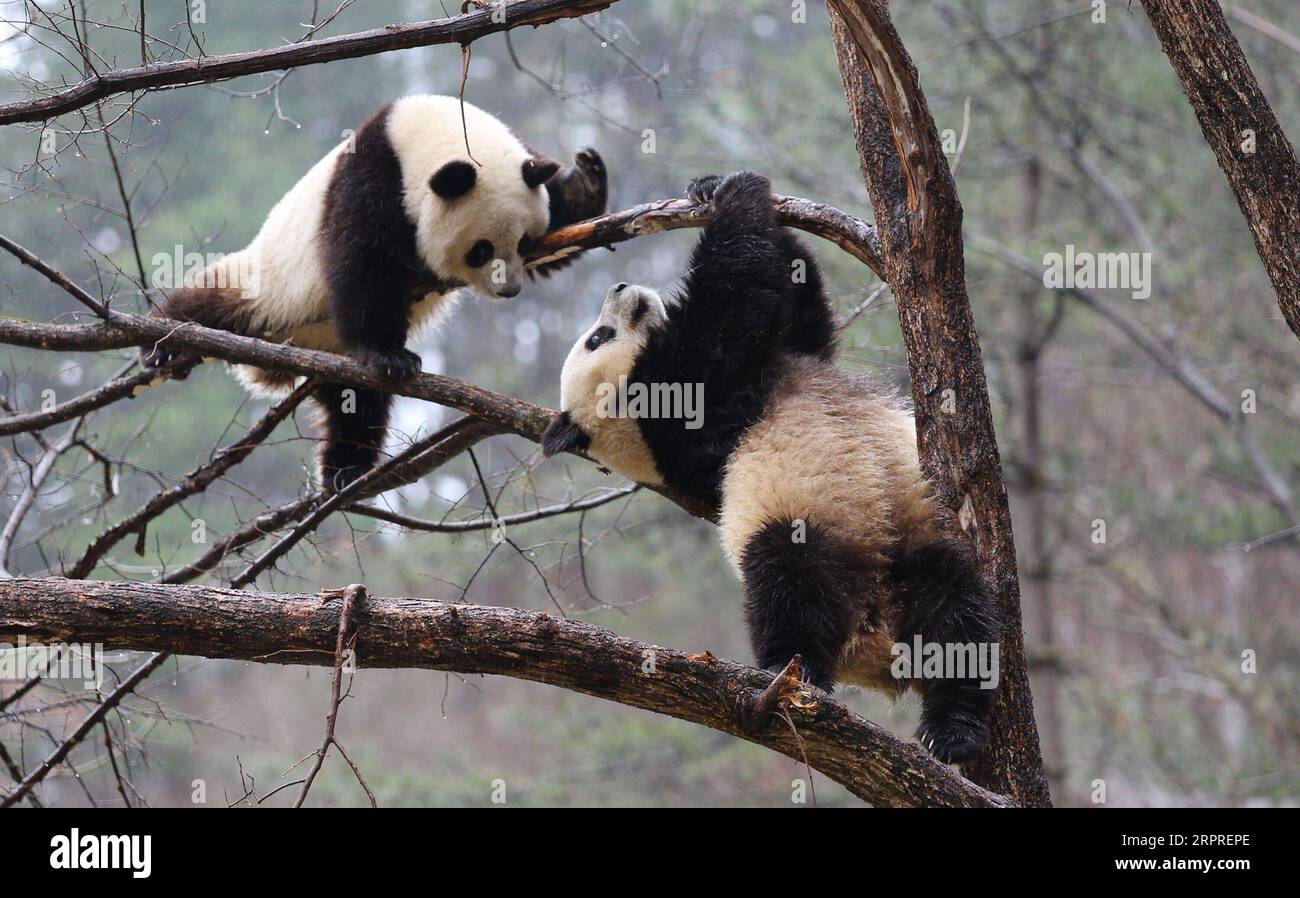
<point x="398" y="364"/>
<point x="953" y="741"/>
<point x="589" y="162"/>
<point x="742" y="185"/>
<point x="160" y="357"/>
<point x="701" y="189"/>
<point x="157" y="356"/>
<point x="738" y="189"/>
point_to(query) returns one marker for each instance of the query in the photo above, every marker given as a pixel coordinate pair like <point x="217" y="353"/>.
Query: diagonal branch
<point x="195" y="482"/>
<point x="1179" y="367"/>
<point x="101" y="711"/>
<point x="528" y="645"/>
<point x="462" y="29"/>
<point x="1239" y="125"/>
<point x="920" y="223"/>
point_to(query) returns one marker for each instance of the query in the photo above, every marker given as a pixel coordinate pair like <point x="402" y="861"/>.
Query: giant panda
<point x="825" y="515"/>
<point x="370" y="242"/>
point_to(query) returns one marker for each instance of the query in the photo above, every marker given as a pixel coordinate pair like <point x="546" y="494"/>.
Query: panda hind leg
<point x="945" y="601"/>
<point x="799" y="588"/>
<point x="353" y="423"/>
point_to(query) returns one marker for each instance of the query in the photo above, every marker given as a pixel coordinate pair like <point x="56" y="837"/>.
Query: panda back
<point x="829" y="452"/>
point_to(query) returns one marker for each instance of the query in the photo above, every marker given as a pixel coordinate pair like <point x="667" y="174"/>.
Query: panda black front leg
<point x="354" y="421"/>
<point x="952" y="735"/>
<point x="739" y="189"/>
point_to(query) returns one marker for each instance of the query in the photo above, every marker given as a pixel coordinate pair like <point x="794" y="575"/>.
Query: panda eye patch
<point x="602" y="334"/>
<point x="479" y="254"/>
<point x="525" y="244"/>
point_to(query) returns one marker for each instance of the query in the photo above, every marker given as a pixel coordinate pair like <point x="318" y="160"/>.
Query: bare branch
<point x="529" y="645"/>
<point x="523" y="517"/>
<point x="462" y="29"/>
<point x="851" y="234"/>
<point x="123" y="387"/>
<point x="28" y="498"/>
<point x="87" y="724"/>
<point x="1239" y="125"/>
<point x="351" y="596"/>
<point x="195" y="482"/>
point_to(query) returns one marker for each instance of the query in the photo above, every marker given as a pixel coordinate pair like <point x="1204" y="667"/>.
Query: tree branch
<point x="87" y="724"/>
<point x="851" y="234"/>
<point x="529" y="645"/>
<point x="462" y="29"/>
<point x="920" y="222"/>
<point x="1240" y="127"/>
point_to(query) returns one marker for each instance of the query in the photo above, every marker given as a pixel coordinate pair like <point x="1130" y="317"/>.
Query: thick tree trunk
<point x="1241" y="128"/>
<point x="403" y="632"/>
<point x="918" y="219"/>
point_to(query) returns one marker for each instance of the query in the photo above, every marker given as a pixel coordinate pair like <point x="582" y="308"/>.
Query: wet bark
<point x="918" y="220"/>
<point x="1240" y="127"/>
<point x="406" y="632"/>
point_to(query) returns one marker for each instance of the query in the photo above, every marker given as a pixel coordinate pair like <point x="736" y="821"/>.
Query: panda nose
<point x="620" y="286"/>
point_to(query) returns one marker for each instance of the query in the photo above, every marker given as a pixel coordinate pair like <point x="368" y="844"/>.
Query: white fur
<point x="426" y="133"/>
<point x="616" y="439"/>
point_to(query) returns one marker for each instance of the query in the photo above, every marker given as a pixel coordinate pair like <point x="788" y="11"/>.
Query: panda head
<point x="607" y="351"/>
<point x="477" y="221"/>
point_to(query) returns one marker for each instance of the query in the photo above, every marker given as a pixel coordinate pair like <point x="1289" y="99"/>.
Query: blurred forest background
<point x="1075" y="132"/>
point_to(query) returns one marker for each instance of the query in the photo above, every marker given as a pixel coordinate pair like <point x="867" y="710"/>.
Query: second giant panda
<point x="825" y="514"/>
<point x="367" y="245"/>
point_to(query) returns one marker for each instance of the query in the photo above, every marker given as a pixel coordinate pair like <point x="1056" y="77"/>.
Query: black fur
<point x="538" y="171"/>
<point x="563" y="435"/>
<point x="373" y="273"/>
<point x="350" y="440"/>
<point x="943" y="599"/>
<point x="799" y="598"/>
<point x="454" y="180"/>
<point x="741" y="313"/>
<point x="575" y="195"/>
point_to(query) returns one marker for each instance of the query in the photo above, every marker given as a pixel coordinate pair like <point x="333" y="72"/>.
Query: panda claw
<point x="952" y="745"/>
<point x="701" y="189"/>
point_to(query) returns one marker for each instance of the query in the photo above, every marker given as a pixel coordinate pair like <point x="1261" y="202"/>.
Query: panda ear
<point x="564" y="435"/>
<point x="453" y="180"/>
<point x="539" y="171"/>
